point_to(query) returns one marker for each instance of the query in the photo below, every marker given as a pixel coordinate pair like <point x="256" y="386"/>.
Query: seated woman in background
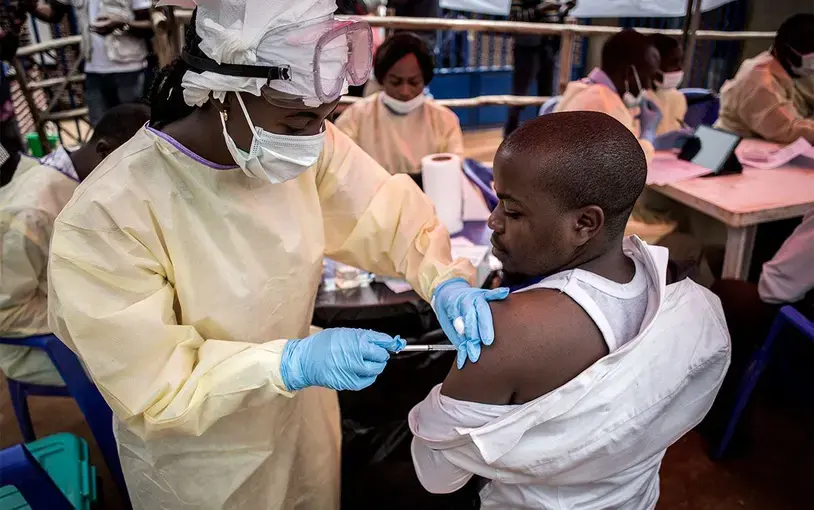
<point x="772" y="95"/>
<point x="671" y="102"/>
<point x="398" y="126"/>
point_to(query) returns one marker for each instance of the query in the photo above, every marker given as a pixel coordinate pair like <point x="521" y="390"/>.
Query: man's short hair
<point x="584" y="158"/>
<point x="624" y="49"/>
<point x="399" y="46"/>
<point x="121" y="122"/>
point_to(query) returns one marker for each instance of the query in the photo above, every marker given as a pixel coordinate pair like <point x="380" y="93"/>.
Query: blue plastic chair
<point x="474" y="172"/>
<point x="703" y="106"/>
<point x="548" y="106"/>
<point x="787" y="316"/>
<point x="20" y="469"/>
<point x="78" y="386"/>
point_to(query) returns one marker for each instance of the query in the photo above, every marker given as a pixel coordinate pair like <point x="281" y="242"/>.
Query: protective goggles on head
<point x="343" y="52"/>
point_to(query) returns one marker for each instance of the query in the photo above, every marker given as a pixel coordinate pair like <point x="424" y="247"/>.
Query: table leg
<point x="740" y="241"/>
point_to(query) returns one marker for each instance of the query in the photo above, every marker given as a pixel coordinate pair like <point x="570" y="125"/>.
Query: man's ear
<point x="103" y="148"/>
<point x="590" y="220"/>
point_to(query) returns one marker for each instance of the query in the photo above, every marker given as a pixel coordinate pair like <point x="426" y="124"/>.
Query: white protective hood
<point x="257" y="32"/>
<point x="598" y="440"/>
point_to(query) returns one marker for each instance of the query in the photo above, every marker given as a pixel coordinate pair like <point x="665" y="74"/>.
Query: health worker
<point x="184" y="270"/>
<point x="772" y="95"/>
<point x="670" y="101"/>
<point x="400" y="125"/>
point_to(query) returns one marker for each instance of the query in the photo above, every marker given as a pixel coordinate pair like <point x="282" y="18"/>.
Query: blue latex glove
<point x="339" y="359"/>
<point x="649" y="118"/>
<point x="456" y="298"/>
<point x="673" y="139"/>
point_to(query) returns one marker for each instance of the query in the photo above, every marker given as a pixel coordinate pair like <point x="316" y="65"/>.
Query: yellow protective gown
<point x="647" y="221"/>
<point x="763" y="101"/>
<point x="29" y="204"/>
<point x="398" y="142"/>
<point x="673" y="106"/>
<point x="178" y="284"/>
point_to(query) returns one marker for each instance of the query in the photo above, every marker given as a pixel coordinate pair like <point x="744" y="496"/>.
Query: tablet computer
<point x="713" y="149"/>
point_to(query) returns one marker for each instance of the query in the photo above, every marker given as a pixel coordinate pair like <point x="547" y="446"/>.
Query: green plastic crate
<point x="66" y="460"/>
<point x="35" y="146"/>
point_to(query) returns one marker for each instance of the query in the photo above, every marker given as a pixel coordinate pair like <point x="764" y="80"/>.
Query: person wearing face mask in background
<point x="671" y="102"/>
<point x="772" y="95"/>
<point x="184" y="271"/>
<point x="623" y="88"/>
<point x="399" y="125"/>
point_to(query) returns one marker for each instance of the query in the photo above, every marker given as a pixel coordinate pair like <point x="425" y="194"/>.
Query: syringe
<point x="428" y="348"/>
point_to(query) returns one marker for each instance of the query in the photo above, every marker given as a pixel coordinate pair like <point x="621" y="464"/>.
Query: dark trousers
<point x="105" y="91"/>
<point x="531" y="62"/>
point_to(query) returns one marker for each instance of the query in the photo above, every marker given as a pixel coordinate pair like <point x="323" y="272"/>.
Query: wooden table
<point x="743" y="201"/>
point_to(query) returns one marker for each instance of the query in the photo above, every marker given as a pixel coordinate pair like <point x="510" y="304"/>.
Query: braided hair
<point x="166" y="95"/>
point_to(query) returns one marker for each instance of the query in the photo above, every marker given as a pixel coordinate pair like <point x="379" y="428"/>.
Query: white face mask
<point x="671" y="80"/>
<point x="806" y="65"/>
<point x="278" y="158"/>
<point x="629" y="99"/>
<point x="403" y="107"/>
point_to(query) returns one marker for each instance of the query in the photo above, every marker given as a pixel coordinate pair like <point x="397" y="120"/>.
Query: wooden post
<point x="567" y="43"/>
<point x="690" y="35"/>
<point x="22" y="81"/>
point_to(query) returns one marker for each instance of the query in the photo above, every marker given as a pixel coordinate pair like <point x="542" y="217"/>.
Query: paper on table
<point x="398" y="286"/>
<point x="666" y="168"/>
<point x="766" y="159"/>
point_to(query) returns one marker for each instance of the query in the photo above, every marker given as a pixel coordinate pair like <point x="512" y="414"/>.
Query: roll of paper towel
<point x="443" y="183"/>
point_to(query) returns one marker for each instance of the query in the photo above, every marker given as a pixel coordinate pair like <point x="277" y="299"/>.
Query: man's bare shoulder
<point x="543" y="339"/>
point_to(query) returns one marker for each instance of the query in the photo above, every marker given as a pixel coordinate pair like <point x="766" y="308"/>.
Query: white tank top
<point x="617" y="309"/>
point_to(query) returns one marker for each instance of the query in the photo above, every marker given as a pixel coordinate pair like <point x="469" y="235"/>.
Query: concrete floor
<point x="775" y="473"/>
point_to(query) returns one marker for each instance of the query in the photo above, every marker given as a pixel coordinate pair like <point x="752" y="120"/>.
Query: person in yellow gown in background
<point x="400" y="125"/>
<point x="772" y="95"/>
<point x="668" y="98"/>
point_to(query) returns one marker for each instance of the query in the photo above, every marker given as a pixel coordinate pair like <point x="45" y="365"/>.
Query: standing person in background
<point x="772" y="95"/>
<point x="114" y="34"/>
<point x="399" y="126"/>
<point x="11" y="144"/>
<point x="534" y="55"/>
<point x="671" y="102"/>
<point x="418" y="9"/>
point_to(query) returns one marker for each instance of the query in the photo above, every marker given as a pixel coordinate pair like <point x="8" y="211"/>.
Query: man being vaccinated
<point x="598" y="365"/>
